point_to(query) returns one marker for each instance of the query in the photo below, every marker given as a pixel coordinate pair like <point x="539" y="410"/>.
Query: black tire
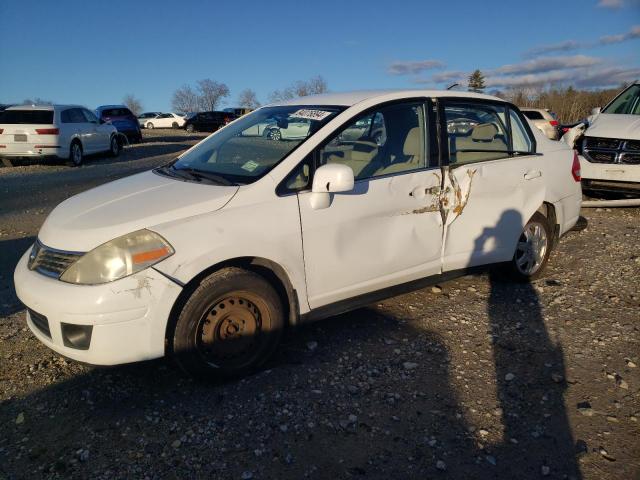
<point x="231" y="323"/>
<point x="174" y="125"/>
<point x="190" y="128"/>
<point x="76" y="156"/>
<point x="150" y="126"/>
<point x="114" y="146"/>
<point x="533" y="249"/>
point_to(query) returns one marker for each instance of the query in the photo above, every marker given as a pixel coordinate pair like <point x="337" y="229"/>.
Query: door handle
<point x="531" y="174"/>
<point x="421" y="192"/>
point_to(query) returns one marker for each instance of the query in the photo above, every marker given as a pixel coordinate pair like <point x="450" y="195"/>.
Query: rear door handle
<point x="531" y="174"/>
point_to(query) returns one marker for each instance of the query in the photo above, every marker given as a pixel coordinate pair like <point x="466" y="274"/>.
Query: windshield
<point x="628" y="102"/>
<point x="248" y="148"/>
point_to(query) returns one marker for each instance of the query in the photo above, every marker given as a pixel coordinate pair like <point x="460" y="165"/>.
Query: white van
<point x="54" y="131"/>
<point x="211" y="256"/>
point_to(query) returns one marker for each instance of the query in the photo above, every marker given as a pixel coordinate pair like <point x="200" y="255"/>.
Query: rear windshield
<point x="38" y="117"/>
<point x="533" y="115"/>
<point x="115" y="112"/>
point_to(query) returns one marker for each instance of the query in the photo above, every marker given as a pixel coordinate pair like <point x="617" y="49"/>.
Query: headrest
<point x="413" y="143"/>
<point x="484" y="132"/>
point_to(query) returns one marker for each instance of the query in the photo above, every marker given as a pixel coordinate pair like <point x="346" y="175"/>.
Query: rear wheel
<point x="533" y="249"/>
<point x="75" y="154"/>
<point x="114" y="146"/>
<point x="231" y="324"/>
<point x="190" y="128"/>
<point x="150" y="126"/>
<point x="274" y="134"/>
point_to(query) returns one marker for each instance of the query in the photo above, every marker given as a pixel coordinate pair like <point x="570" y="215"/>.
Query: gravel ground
<point x="473" y="378"/>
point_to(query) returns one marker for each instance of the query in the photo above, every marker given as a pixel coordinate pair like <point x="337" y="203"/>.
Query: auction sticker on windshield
<point x="250" y="166"/>
<point x="311" y="114"/>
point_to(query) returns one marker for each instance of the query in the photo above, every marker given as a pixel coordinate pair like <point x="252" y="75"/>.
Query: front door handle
<point x="531" y="174"/>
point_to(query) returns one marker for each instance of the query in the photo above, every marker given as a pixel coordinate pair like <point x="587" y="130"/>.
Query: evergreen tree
<point x="476" y="82"/>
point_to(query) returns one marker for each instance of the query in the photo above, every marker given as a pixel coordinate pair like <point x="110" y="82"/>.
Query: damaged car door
<point x="387" y="230"/>
<point x="493" y="182"/>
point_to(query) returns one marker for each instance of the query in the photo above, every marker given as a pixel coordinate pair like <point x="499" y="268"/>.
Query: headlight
<point x="119" y="258"/>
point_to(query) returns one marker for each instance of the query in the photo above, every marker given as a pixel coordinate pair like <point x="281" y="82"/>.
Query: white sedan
<point x="165" y="120"/>
<point x="210" y="257"/>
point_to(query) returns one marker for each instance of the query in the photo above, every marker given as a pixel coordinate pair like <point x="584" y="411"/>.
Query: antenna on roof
<point x="453" y="85"/>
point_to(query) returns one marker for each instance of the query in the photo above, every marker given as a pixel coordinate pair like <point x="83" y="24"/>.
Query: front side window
<point x="628" y="102"/>
<point x="476" y="132"/>
<point x="239" y="154"/>
<point x="386" y="141"/>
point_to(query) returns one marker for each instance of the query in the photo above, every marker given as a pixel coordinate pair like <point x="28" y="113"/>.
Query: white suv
<point x="209" y="257"/>
<point x="54" y="131"/>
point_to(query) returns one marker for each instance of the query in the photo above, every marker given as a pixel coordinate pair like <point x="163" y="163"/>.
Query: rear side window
<point x="33" y="117"/>
<point x="532" y="115"/>
<point x="116" y="112"/>
<point x="522" y="142"/>
<point x="476" y="132"/>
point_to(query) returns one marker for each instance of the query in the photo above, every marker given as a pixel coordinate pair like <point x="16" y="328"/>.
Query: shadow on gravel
<point x="10" y="253"/>
<point x="361" y="395"/>
<point x="530" y="378"/>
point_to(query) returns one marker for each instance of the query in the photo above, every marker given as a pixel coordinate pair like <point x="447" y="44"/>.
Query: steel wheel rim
<point x="230" y="331"/>
<point x="531" y="249"/>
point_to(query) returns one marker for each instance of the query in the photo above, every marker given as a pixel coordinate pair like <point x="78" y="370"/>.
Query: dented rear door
<point x="488" y="194"/>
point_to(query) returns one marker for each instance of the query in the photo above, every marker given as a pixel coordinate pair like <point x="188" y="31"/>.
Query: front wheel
<point x="533" y="249"/>
<point x="190" y="128"/>
<point x="274" y="134"/>
<point x="150" y="126"/>
<point x="174" y="125"/>
<point x="230" y="325"/>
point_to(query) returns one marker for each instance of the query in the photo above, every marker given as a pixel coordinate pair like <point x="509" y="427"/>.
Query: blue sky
<point x="94" y="53"/>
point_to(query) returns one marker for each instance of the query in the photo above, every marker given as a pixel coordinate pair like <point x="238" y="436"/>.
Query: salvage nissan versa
<point x="209" y="257"/>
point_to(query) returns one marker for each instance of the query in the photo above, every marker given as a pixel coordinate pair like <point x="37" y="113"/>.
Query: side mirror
<point x="328" y="179"/>
<point x="595" y="111"/>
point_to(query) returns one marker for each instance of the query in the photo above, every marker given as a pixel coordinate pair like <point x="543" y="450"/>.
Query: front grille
<point x="611" y="150"/>
<point x="49" y="261"/>
<point x="608" y="143"/>
<point x="600" y="157"/>
<point x="630" y="158"/>
<point x="40" y="322"/>
<point x="632" y="146"/>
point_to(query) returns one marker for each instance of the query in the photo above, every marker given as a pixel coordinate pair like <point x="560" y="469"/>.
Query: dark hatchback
<point x="208" y="121"/>
<point x="123" y="119"/>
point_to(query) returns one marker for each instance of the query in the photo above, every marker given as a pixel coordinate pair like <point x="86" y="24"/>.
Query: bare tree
<point x="36" y="101"/>
<point x="184" y="100"/>
<point x="248" y="99"/>
<point x="132" y="104"/>
<point x="211" y="93"/>
<point x="301" y="88"/>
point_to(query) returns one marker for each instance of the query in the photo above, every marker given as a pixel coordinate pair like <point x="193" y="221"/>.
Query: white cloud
<point x="547" y="64"/>
<point x="565" y="46"/>
<point x="622" y="37"/>
<point x="412" y="68"/>
<point x="610" y="3"/>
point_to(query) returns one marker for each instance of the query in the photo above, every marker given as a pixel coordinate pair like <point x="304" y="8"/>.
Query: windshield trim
<point x="248" y="179"/>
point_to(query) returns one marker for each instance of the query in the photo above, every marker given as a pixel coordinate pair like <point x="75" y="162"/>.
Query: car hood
<point x="609" y="125"/>
<point x="96" y="216"/>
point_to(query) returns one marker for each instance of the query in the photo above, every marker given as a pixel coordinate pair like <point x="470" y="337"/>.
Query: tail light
<point x="575" y="168"/>
<point x="554" y="123"/>
<point x="47" y="131"/>
<point x="1" y="130"/>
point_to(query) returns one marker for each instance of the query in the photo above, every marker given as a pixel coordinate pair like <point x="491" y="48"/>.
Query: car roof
<point x="43" y="107"/>
<point x="104" y="107"/>
<point x="531" y="109"/>
<point x="348" y="99"/>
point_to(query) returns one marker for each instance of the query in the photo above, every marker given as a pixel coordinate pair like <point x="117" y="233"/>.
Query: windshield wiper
<point x="508" y="152"/>
<point x="201" y="174"/>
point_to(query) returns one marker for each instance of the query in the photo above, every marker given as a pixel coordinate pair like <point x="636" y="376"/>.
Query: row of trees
<point x="569" y="104"/>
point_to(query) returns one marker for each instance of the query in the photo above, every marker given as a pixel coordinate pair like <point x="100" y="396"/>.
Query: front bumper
<point x="129" y="316"/>
<point x="614" y="172"/>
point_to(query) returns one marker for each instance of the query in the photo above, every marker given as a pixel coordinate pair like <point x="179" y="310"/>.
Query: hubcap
<point x="229" y="331"/>
<point x="532" y="248"/>
<point x="275" y="135"/>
